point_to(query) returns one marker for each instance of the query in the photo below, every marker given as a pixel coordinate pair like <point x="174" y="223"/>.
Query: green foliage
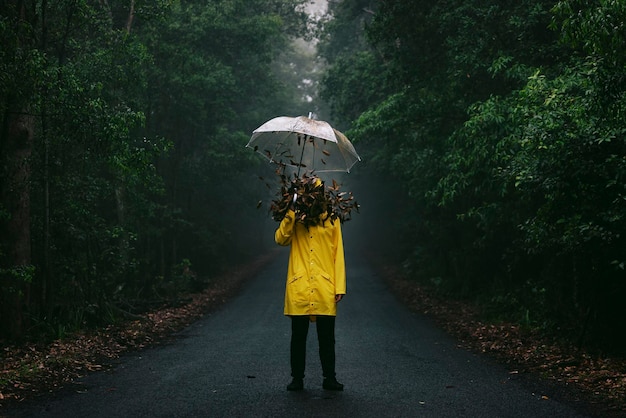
<point x="503" y="124"/>
<point x="342" y="32"/>
<point x="355" y="78"/>
<point x="348" y="85"/>
<point x="16" y="276"/>
<point x="141" y="122"/>
<point x="183" y="280"/>
<point x="596" y="29"/>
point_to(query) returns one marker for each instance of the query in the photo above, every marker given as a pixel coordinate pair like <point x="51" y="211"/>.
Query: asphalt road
<point x="235" y="363"/>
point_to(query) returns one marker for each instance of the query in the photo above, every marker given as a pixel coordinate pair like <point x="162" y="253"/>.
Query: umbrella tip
<point x="312" y="115"/>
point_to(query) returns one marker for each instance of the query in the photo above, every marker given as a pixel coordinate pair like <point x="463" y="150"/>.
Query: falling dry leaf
<point x="313" y="202"/>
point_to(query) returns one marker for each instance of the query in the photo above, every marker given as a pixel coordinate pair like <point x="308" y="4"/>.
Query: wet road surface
<point x="235" y="363"/>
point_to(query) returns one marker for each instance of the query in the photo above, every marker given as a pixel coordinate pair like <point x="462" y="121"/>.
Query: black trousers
<point x="326" y="338"/>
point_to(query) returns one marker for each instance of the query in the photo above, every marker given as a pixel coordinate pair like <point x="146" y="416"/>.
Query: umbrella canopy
<point x="305" y="143"/>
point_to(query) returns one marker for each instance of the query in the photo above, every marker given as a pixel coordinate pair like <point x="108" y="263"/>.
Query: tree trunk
<point x="131" y="17"/>
<point x="15" y="245"/>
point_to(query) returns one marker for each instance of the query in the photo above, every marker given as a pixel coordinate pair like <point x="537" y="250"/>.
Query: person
<point x="316" y="282"/>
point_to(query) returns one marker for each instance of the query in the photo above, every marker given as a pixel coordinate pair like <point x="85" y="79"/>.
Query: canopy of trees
<point x="504" y="124"/>
<point x="123" y="169"/>
<point x="124" y="178"/>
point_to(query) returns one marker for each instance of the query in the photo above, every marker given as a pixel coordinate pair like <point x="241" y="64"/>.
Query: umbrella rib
<point x="279" y="144"/>
<point x="301" y="155"/>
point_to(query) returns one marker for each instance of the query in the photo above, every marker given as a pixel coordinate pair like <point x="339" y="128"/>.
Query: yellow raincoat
<point x="316" y="271"/>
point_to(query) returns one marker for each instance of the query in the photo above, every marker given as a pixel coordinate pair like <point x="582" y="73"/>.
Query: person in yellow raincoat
<point x="316" y="282"/>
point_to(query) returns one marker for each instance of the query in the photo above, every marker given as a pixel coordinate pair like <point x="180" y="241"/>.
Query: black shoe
<point x="332" y="384"/>
<point x="296" y="384"/>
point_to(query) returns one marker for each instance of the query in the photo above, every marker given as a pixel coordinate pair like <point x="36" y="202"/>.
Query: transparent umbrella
<point x="305" y="143"/>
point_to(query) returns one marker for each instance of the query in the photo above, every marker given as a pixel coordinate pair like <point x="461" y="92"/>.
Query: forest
<point x="500" y="125"/>
<point x="497" y="126"/>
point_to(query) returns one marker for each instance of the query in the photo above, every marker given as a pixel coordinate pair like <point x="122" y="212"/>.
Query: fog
<point x="370" y="229"/>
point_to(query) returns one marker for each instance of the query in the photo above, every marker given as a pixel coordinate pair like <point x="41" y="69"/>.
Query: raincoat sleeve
<point x="285" y="229"/>
<point x="340" y="263"/>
